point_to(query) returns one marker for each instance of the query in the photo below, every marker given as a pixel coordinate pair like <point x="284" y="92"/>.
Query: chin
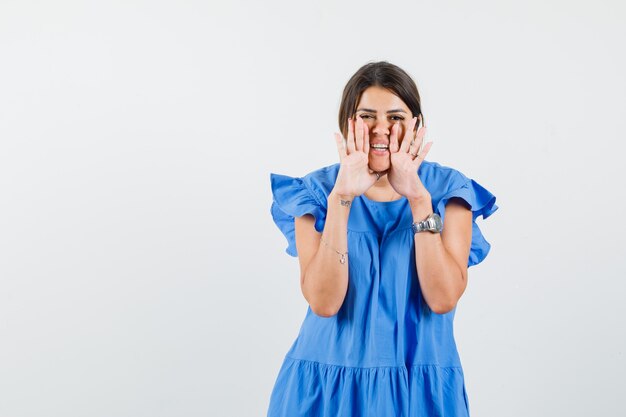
<point x="379" y="166"/>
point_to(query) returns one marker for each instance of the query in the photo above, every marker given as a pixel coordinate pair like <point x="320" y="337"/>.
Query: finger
<point x="393" y="138"/>
<point x="366" y="139"/>
<point x="416" y="143"/>
<point x="341" y="146"/>
<point x="408" y="136"/>
<point x="419" y="139"/>
<point x="423" y="153"/>
<point x="351" y="145"/>
<point x="359" y="134"/>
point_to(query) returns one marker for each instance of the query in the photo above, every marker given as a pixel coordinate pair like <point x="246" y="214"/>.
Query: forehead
<point x="381" y="99"/>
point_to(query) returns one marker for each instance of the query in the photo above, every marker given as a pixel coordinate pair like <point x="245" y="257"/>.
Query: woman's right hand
<point x="354" y="177"/>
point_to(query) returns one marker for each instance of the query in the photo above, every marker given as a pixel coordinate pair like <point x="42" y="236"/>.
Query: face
<point x="380" y="109"/>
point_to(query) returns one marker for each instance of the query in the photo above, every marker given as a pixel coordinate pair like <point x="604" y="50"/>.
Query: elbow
<point x="443" y="308"/>
<point x="324" y="311"/>
<point x="324" y="303"/>
<point x="321" y="307"/>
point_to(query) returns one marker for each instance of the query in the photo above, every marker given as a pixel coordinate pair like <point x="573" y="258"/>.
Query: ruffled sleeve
<point x="482" y="203"/>
<point x="294" y="197"/>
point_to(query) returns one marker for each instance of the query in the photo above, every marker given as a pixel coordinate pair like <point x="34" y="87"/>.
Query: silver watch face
<point x="437" y="222"/>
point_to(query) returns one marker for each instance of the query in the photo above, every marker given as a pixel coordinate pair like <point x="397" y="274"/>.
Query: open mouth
<point x="379" y="148"/>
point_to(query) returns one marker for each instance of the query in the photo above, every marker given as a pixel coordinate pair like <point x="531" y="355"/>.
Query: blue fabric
<point x="385" y="353"/>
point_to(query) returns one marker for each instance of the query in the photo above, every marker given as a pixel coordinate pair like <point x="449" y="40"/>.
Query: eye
<point x="365" y="116"/>
<point x="397" y="117"/>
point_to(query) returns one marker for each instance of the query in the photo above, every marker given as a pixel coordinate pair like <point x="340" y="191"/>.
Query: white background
<point x="140" y="271"/>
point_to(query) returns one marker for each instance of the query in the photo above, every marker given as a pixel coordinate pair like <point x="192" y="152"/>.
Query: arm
<point x="323" y="279"/>
<point x="441" y="259"/>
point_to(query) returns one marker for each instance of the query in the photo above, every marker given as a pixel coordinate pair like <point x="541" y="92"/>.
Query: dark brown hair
<point x="378" y="74"/>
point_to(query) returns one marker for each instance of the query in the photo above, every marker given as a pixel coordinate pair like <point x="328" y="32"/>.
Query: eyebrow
<point x="389" y="111"/>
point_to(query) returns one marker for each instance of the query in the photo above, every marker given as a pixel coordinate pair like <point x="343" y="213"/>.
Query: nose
<point x="381" y="127"/>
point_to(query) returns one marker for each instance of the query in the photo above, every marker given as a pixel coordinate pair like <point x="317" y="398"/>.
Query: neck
<point x="382" y="191"/>
<point x="382" y="183"/>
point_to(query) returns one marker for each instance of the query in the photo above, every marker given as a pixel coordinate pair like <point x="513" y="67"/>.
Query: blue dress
<point x="385" y="353"/>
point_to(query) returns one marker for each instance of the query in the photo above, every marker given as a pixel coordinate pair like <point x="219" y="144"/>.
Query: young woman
<point x="384" y="239"/>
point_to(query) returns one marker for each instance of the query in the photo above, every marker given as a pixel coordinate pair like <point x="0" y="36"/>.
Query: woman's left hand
<point x="402" y="174"/>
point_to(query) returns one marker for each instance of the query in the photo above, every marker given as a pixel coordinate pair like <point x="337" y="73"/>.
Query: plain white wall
<point x="140" y="271"/>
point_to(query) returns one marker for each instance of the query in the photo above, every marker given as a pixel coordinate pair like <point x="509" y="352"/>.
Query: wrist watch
<point x="432" y="223"/>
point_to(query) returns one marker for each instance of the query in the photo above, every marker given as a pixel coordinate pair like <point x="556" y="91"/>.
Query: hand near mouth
<point x="354" y="177"/>
<point x="405" y="161"/>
